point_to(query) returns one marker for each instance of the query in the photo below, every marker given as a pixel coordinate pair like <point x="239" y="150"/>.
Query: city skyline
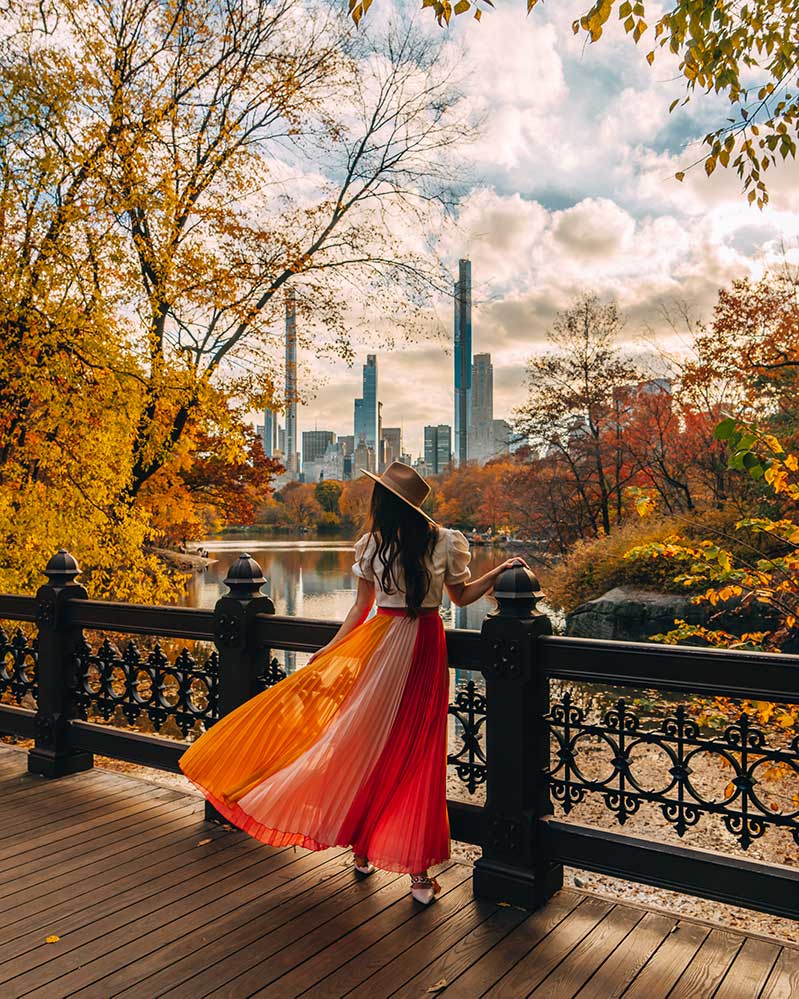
<point x="472" y="435"/>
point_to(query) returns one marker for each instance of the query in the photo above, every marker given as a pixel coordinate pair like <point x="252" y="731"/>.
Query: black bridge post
<point x="514" y="867"/>
<point x="52" y="755"/>
<point x="241" y="659"/>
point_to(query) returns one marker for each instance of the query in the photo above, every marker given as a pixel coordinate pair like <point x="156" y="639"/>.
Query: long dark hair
<point x="401" y="535"/>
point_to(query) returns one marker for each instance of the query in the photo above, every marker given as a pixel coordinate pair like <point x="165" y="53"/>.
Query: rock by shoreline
<point x="182" y="561"/>
<point x="628" y="614"/>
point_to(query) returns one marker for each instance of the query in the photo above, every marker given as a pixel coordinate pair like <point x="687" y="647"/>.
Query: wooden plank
<point x="72" y="815"/>
<point x="612" y="978"/>
<point x="51" y="795"/>
<point x="82" y="925"/>
<point x="237" y="941"/>
<point x="749" y="971"/>
<point x="16" y="787"/>
<point x="590" y="953"/>
<point x="85" y="830"/>
<point x="176" y="822"/>
<point x="12" y="760"/>
<point x="424" y="948"/>
<point x="181" y="851"/>
<point x="534" y="967"/>
<point x="459" y="955"/>
<point x="259" y="964"/>
<point x="486" y="971"/>
<point x="336" y="968"/>
<point x="783" y="982"/>
<point x="38" y="863"/>
<point x="271" y="879"/>
<point x="668" y="962"/>
<point x="709" y="965"/>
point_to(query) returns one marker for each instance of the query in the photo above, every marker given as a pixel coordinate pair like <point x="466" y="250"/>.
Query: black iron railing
<point x="82" y="676"/>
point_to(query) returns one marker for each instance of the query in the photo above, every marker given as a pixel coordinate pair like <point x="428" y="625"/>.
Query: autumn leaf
<point x="52" y="939"/>
<point x="203" y="842"/>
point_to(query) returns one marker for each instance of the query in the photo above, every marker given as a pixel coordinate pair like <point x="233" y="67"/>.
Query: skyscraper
<point x="314" y="444"/>
<point x="366" y="418"/>
<point x="463" y="359"/>
<point x="437" y="447"/>
<point x="480" y="433"/>
<point x="291" y="457"/>
<point x="392" y="438"/>
<point x="270" y="432"/>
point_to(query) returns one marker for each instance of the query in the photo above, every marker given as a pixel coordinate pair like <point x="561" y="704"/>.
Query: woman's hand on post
<point x="510" y="563"/>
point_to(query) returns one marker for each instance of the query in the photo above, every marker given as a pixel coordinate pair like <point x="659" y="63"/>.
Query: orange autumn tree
<point x="766" y="578"/>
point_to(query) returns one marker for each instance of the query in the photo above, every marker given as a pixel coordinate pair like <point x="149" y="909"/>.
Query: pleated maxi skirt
<point x="349" y="750"/>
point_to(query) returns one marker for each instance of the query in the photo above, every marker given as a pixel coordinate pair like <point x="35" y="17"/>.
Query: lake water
<point x="312" y="577"/>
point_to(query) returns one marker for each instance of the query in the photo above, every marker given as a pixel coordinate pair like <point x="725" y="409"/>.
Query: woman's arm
<point x="356" y="615"/>
<point x="463" y="594"/>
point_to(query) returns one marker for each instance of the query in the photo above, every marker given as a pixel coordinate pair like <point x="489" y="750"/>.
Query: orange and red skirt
<point x="349" y="750"/>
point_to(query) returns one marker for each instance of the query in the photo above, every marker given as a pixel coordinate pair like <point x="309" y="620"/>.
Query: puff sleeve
<point x="458" y="556"/>
<point x="364" y="551"/>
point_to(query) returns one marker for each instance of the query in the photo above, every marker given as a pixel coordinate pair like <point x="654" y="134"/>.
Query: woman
<point x="351" y="749"/>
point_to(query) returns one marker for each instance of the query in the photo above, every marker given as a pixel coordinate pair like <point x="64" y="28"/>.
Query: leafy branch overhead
<point x="748" y="52"/>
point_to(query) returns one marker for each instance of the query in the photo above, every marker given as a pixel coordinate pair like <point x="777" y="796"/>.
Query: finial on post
<point x="517" y="592"/>
<point x="62" y="569"/>
<point x="245" y="577"/>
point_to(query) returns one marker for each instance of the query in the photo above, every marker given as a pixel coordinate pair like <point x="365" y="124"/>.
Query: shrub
<point x="593" y="567"/>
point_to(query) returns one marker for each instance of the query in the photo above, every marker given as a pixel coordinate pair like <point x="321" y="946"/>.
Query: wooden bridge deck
<point x="149" y="900"/>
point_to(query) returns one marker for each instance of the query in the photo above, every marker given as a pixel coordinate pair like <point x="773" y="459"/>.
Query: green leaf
<point x="725" y="430"/>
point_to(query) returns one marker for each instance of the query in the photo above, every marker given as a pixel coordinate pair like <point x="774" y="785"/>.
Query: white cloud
<point x="572" y="189"/>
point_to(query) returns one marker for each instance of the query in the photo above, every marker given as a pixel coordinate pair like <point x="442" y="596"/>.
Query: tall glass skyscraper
<point x="437" y="447"/>
<point x="481" y="444"/>
<point x="366" y="417"/>
<point x="463" y="360"/>
<point x="270" y="432"/>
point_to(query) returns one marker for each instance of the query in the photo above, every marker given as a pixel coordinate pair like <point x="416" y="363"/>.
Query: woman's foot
<point x="363" y="865"/>
<point x="424" y="888"/>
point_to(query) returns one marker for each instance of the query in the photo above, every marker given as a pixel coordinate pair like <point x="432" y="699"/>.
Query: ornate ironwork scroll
<point x="271" y="673"/>
<point x="18" y="666"/>
<point x="151" y="686"/>
<point x="742" y="750"/>
<point x="469" y="711"/>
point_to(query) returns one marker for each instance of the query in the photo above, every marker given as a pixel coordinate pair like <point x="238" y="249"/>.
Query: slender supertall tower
<point x="463" y="360"/>
<point x="291" y="459"/>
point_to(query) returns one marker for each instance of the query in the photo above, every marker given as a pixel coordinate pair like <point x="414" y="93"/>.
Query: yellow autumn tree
<point x="167" y="172"/>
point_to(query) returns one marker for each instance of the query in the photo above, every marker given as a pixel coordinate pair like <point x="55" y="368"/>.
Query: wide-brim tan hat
<point x="406" y="483"/>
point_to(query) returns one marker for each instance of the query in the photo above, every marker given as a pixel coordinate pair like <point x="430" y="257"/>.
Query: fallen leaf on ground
<point x="204" y="841"/>
<point x="52" y="939"/>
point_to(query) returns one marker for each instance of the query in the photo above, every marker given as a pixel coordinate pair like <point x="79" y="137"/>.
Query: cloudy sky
<point x="571" y="188"/>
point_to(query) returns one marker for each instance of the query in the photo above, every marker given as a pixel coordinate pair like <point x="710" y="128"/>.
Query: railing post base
<point x="49" y="764"/>
<point x="498" y="882"/>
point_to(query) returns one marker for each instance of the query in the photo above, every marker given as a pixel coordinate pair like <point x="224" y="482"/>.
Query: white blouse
<point x="448" y="563"/>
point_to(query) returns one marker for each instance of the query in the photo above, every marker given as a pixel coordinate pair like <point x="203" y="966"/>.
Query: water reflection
<point x="313" y="578"/>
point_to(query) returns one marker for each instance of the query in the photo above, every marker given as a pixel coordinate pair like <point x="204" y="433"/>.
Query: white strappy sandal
<point x="424" y="889"/>
<point x="365" y="868"/>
